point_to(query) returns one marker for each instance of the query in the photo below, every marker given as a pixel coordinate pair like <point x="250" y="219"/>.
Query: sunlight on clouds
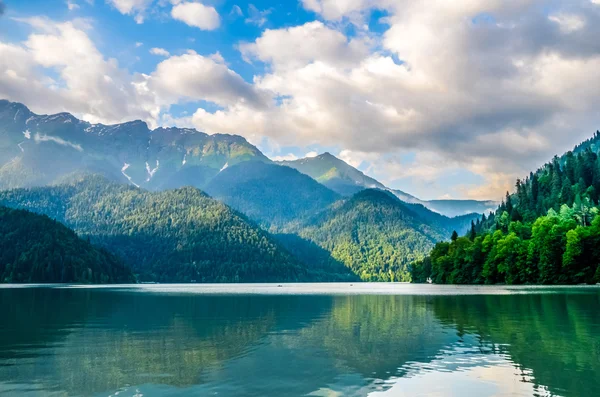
<point x="197" y="15"/>
<point x="464" y="93"/>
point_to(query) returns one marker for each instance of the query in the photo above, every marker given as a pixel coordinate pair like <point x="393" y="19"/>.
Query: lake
<point x="299" y="340"/>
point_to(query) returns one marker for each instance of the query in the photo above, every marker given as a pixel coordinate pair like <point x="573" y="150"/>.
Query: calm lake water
<point x="299" y="340"/>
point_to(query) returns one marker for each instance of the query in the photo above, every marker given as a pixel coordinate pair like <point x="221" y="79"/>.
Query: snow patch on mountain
<point x="47" y="138"/>
<point x="150" y="171"/>
<point x="21" y="147"/>
<point x="125" y="166"/>
<point x="184" y="159"/>
<point x="224" y="167"/>
<point x="27" y="134"/>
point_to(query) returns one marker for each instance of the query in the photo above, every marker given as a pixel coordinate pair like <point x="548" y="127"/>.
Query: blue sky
<point x="441" y="100"/>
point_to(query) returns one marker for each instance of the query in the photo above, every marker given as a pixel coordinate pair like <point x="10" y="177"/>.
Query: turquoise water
<point x="299" y="340"/>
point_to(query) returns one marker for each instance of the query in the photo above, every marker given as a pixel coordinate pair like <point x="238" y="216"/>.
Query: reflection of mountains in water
<point x="86" y="341"/>
<point x="92" y="340"/>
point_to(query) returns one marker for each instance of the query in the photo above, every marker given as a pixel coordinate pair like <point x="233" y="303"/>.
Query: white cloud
<point x="490" y="87"/>
<point x="256" y="16"/>
<point x="300" y="45"/>
<point x="568" y="23"/>
<point x="337" y="9"/>
<point x="47" y="138"/>
<point x="160" y="52"/>
<point x="483" y="91"/>
<point x="285" y="157"/>
<point x="236" y="11"/>
<point x="197" y="15"/>
<point x="195" y="77"/>
<point x="87" y="84"/>
<point x="136" y="8"/>
<point x="138" y="44"/>
<point x="217" y="57"/>
<point x="352" y="158"/>
<point x="311" y="154"/>
<point x="72" y="5"/>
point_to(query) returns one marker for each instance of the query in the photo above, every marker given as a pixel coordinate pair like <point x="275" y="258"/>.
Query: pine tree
<point x="454" y="236"/>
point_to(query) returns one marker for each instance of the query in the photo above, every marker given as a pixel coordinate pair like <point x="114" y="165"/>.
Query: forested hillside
<point x="547" y="232"/>
<point x="374" y="234"/>
<point x="37" y="249"/>
<point x="178" y="235"/>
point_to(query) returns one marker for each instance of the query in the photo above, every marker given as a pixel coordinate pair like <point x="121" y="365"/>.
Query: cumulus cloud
<point x="160" y="52"/>
<point x="338" y="9"/>
<point x="136" y="8"/>
<point x="466" y="88"/>
<point x="192" y="76"/>
<point x="488" y="87"/>
<point x="87" y="84"/>
<point x="298" y="46"/>
<point x="197" y="15"/>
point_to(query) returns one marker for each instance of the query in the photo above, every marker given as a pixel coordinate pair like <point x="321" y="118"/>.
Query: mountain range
<point x="179" y="205"/>
<point x="37" y="150"/>
<point x="347" y="180"/>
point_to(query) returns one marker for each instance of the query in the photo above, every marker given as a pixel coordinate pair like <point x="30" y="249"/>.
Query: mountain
<point x="173" y="236"/>
<point x="334" y="173"/>
<point x="36" y="150"/>
<point x="37" y="249"/>
<point x="347" y="180"/>
<point x="547" y="232"/>
<point x="270" y="194"/>
<point x="374" y="234"/>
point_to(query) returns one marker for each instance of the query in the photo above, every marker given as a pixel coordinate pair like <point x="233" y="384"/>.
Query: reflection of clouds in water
<point x="464" y="371"/>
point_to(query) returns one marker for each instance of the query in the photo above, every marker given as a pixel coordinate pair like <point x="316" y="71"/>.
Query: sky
<point x="438" y="98"/>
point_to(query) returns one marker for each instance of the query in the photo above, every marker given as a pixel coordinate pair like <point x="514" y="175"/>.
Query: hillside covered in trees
<point x="37" y="249"/>
<point x="177" y="235"/>
<point x="546" y="232"/>
<point x="374" y="234"/>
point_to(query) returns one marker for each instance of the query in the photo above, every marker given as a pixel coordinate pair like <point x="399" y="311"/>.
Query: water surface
<point x="299" y="340"/>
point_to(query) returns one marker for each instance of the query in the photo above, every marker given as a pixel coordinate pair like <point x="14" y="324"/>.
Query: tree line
<point x="546" y="232"/>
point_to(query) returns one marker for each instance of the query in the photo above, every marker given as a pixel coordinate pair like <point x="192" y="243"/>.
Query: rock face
<point x="40" y="149"/>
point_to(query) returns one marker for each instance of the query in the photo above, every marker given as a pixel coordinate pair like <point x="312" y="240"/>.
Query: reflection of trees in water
<point x="98" y="340"/>
<point x="556" y="336"/>
<point x="83" y="341"/>
<point x="376" y="335"/>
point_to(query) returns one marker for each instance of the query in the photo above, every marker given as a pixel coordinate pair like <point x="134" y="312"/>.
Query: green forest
<point x="374" y="234"/>
<point x="546" y="232"/>
<point x="37" y="249"/>
<point x="179" y="235"/>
